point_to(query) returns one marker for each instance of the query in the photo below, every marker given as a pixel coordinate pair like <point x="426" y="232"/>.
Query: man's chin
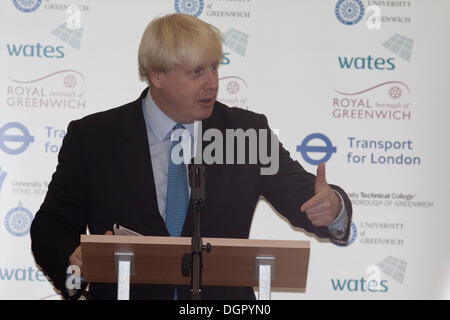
<point x="205" y="111"/>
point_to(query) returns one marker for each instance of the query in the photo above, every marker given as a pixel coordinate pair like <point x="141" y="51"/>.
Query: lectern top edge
<point x="135" y="239"/>
<point x="187" y="241"/>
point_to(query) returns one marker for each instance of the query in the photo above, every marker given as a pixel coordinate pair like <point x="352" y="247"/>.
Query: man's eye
<point x="197" y="71"/>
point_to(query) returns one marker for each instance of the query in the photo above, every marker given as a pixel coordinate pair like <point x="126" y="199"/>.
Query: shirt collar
<point x="160" y="123"/>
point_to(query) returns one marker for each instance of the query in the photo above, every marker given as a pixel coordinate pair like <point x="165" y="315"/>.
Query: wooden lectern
<point x="231" y="262"/>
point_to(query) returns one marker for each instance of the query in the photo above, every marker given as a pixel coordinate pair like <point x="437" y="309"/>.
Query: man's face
<point x="187" y="93"/>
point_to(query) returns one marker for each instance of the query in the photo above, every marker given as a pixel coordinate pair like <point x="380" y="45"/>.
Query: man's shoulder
<point x="111" y="119"/>
<point x="234" y="117"/>
<point x="112" y="115"/>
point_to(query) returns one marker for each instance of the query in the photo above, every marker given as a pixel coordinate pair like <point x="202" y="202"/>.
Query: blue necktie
<point x="177" y="192"/>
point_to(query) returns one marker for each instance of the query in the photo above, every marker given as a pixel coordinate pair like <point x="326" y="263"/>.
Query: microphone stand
<point x="197" y="181"/>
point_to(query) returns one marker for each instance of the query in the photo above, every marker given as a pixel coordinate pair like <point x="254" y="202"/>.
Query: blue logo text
<point x="370" y="63"/>
<point x="38" y="50"/>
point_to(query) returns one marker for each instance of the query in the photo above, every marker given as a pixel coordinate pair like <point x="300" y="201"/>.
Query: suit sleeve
<point x="292" y="186"/>
<point x="56" y="228"/>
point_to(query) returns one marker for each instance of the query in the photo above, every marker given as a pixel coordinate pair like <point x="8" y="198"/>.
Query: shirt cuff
<point x="339" y="226"/>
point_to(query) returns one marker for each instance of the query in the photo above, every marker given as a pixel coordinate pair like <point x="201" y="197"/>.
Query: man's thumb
<point x="320" y="177"/>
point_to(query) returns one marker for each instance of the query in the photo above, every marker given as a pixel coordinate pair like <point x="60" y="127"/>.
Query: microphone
<point x="193" y="262"/>
<point x="197" y="182"/>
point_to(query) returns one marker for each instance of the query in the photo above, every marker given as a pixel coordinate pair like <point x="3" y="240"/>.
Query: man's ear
<point x="155" y="78"/>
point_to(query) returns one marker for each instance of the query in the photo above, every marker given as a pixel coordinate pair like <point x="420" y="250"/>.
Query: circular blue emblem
<point x="24" y="139"/>
<point x="349" y="12"/>
<point x="27" y="5"/>
<point x="328" y="149"/>
<point x="18" y="221"/>
<point x="353" y="235"/>
<point x="192" y="7"/>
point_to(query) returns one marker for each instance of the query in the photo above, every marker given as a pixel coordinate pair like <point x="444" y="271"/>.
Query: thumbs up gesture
<point x="325" y="205"/>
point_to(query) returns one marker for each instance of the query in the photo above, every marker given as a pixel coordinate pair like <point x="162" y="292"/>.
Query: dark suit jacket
<point x="104" y="175"/>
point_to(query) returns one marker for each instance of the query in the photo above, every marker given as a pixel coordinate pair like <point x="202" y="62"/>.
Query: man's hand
<point x="325" y="205"/>
<point x="75" y="257"/>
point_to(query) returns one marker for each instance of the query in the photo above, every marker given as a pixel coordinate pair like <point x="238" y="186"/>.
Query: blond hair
<point x="175" y="40"/>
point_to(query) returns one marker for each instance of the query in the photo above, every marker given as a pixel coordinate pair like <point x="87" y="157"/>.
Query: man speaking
<point x="122" y="166"/>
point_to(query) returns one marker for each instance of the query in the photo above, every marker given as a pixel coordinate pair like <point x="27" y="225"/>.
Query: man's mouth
<point x="206" y="101"/>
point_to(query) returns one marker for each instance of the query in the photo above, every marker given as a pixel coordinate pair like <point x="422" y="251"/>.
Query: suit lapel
<point x="133" y="151"/>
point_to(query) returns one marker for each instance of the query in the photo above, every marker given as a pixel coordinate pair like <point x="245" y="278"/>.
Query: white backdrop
<point x="349" y="72"/>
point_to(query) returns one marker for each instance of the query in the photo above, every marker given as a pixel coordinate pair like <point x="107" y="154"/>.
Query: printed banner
<point x="361" y="85"/>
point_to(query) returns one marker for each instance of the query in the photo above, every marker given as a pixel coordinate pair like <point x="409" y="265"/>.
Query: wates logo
<point x="35" y="51"/>
<point x="366" y="63"/>
<point x="390" y="266"/>
<point x="400" y="46"/>
<point x="71" y="31"/>
<point x="360" y="285"/>
<point x="21" y="274"/>
<point x="372" y="283"/>
<point x="225" y="59"/>
<point x="236" y="41"/>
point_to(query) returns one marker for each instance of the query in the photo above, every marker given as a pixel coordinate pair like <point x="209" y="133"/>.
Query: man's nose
<point x="212" y="80"/>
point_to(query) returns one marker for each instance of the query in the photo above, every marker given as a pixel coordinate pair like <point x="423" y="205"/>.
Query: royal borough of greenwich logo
<point x="192" y="7"/>
<point x="27" y="5"/>
<point x="349" y="12"/>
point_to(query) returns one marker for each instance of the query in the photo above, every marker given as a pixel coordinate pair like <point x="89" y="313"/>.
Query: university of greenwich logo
<point x="349" y="12"/>
<point x="192" y="7"/>
<point x="352" y="238"/>
<point x="27" y="5"/>
<point x="18" y="221"/>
